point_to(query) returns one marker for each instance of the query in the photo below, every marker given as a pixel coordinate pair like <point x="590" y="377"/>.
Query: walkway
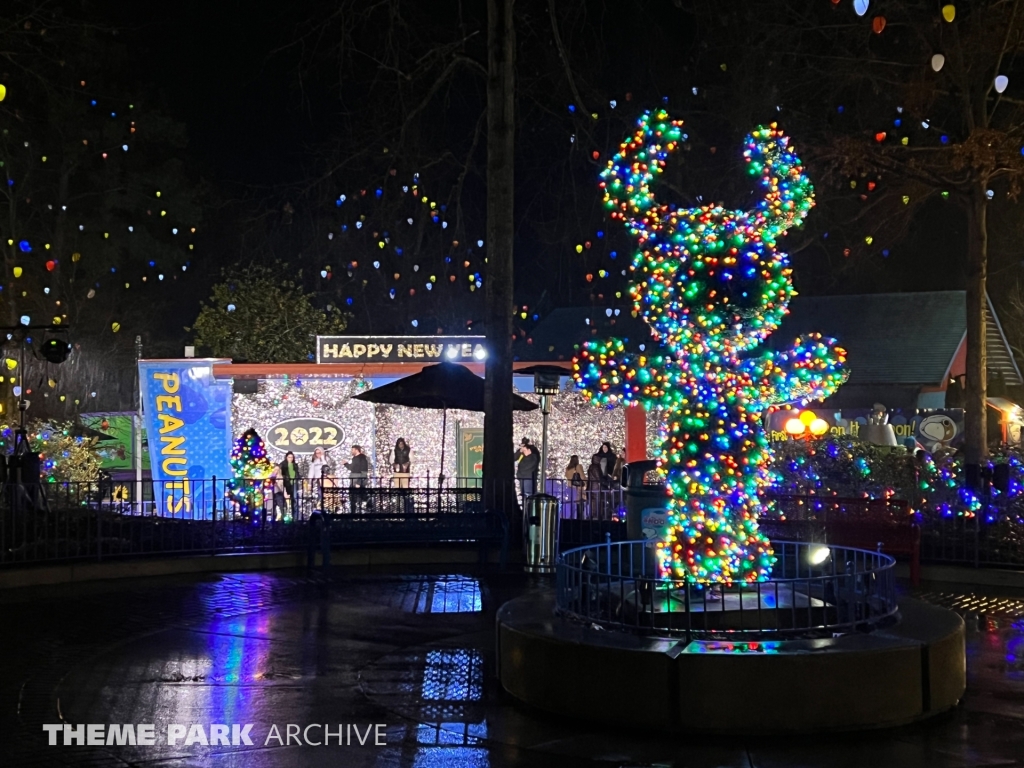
<point x="415" y="653"/>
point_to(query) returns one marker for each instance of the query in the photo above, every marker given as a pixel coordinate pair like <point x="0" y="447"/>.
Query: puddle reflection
<point x="438" y="594"/>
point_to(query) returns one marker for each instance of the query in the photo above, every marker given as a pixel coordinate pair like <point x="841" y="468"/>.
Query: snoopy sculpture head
<point x="708" y="278"/>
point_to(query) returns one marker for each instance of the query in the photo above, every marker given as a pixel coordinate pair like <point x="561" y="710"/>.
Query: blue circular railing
<point x="816" y="590"/>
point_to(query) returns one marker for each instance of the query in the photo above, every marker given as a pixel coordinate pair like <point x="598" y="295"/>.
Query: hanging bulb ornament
<point x="949" y="12"/>
<point x="1001" y="82"/>
<point x="3" y="91"/>
<point x="18" y="271"/>
<point x="938" y="61"/>
<point x="878" y="24"/>
<point x="860" y="7"/>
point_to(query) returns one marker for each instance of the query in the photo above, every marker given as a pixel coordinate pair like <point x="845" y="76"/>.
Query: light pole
<point x="138" y="426"/>
<point x="546" y="379"/>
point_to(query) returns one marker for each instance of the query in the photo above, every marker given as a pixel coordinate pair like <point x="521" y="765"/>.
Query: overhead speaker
<point x="245" y="386"/>
<point x="55" y="350"/>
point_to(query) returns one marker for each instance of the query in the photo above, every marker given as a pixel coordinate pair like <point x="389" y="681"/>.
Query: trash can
<point x="646" y="514"/>
<point x="646" y="503"/>
<point x="540" y="533"/>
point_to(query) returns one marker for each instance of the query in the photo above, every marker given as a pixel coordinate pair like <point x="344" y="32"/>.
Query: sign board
<point x="471" y="453"/>
<point x="399" y="349"/>
<point x="654" y="523"/>
<point x="118" y="451"/>
<point x="305" y="435"/>
<point x="929" y="429"/>
<point x="188" y="420"/>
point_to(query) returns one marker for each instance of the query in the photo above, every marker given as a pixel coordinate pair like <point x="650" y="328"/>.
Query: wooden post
<point x="499" y="487"/>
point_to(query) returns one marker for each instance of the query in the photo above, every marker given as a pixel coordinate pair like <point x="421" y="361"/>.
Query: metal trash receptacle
<point x="540" y="533"/>
<point x="646" y="513"/>
<point x="646" y="503"/>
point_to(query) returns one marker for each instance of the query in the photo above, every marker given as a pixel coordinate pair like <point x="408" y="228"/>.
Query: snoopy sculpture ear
<point x="789" y="194"/>
<point x="627" y="179"/>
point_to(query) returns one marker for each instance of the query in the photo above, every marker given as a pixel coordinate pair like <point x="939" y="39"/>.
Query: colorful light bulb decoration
<point x="712" y="286"/>
<point x="252" y="470"/>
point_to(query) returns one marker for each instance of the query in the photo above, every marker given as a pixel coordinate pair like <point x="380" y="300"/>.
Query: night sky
<point x="226" y="71"/>
<point x="231" y="72"/>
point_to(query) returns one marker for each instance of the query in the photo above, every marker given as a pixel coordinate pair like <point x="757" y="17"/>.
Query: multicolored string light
<point x="252" y="470"/>
<point x="712" y="286"/>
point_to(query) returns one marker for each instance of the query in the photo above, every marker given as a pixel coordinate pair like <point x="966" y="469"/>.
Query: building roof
<point x="890" y="338"/>
<point x="897" y="338"/>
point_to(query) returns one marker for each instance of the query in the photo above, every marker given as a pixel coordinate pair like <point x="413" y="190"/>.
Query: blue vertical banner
<point x="188" y="420"/>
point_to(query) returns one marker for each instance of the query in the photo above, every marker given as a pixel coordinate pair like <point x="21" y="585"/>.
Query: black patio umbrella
<point x="441" y="386"/>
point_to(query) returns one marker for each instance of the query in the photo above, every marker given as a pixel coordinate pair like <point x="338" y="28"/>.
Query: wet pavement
<point x="412" y="653"/>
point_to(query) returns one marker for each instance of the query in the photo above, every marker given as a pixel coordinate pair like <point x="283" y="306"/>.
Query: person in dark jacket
<point x="291" y="479"/>
<point x="595" y="487"/>
<point x="524" y="443"/>
<point x="526" y="470"/>
<point x="620" y="462"/>
<point x="400" y="458"/>
<point x="359" y="472"/>
<point x="606" y="458"/>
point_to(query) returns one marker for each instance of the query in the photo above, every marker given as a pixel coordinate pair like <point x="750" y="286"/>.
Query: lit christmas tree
<point x="252" y="471"/>
<point x="712" y="288"/>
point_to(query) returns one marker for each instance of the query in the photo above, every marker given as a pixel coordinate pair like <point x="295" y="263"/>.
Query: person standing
<point x="526" y="471"/>
<point x="359" y="472"/>
<point x="289" y="474"/>
<point x="524" y="443"/>
<point x="577" y="479"/>
<point x="315" y="474"/>
<point x="606" y="458"/>
<point x="400" y="464"/>
<point x="620" y="462"/>
<point x="595" y="488"/>
<point x="400" y="460"/>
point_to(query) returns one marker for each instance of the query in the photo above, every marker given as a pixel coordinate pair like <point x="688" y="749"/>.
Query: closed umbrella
<point x="440" y="387"/>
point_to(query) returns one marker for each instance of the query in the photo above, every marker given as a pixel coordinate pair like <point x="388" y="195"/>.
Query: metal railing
<point x="992" y="535"/>
<point x="813" y="591"/>
<point x="75" y="521"/>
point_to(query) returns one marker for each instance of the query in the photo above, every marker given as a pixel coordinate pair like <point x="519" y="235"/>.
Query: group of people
<point x="589" y="487"/>
<point x="291" y="485"/>
<point x="603" y="474"/>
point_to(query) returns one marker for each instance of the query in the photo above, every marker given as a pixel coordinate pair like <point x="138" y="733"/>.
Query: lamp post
<point x="546" y="379"/>
<point x="137" y="424"/>
<point x="807" y="426"/>
<point x="541" y="523"/>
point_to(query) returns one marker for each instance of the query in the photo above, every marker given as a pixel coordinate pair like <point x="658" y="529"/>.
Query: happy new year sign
<point x="421" y="349"/>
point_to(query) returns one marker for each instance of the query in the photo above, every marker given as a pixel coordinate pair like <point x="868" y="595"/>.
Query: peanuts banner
<point x="188" y="421"/>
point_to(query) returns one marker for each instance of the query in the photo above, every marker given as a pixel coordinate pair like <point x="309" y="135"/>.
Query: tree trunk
<point x="976" y="441"/>
<point x="499" y="489"/>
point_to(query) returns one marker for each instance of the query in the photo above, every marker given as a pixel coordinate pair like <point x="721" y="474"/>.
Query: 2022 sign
<point x="305" y="435"/>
